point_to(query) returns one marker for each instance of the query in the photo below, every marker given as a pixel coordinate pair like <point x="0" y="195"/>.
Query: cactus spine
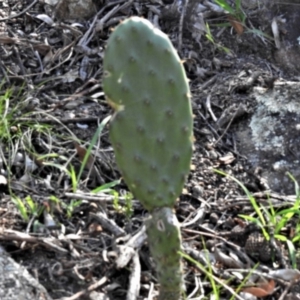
<point x="151" y="133"/>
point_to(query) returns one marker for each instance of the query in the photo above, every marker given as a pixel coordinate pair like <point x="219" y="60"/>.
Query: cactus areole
<point x="151" y="130"/>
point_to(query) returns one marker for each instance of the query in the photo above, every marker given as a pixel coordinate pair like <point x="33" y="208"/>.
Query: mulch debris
<point x="51" y="73"/>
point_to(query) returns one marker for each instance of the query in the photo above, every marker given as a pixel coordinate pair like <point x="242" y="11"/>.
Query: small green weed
<point x="27" y="208"/>
<point x="237" y="19"/>
<point x="93" y="142"/>
<point x="236" y="11"/>
<point x="6" y="115"/>
<point x="260" y="221"/>
<point x="127" y="208"/>
<point x="210" y="37"/>
<point x="216" y="283"/>
<point x="69" y="207"/>
<point x="273" y="219"/>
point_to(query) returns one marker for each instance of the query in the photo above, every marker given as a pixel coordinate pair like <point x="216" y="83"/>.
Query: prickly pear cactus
<point x="151" y="133"/>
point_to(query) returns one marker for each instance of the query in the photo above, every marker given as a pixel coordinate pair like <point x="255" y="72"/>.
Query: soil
<point x="246" y="123"/>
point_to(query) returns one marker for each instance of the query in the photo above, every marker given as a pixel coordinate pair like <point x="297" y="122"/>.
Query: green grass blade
<point x="106" y="187"/>
<point x="249" y="195"/>
<point x="225" y="6"/>
<point x="21" y="207"/>
<point x="93" y="142"/>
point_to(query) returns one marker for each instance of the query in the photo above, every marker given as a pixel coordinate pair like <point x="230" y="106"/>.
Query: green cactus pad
<point x="164" y="241"/>
<point x="151" y="130"/>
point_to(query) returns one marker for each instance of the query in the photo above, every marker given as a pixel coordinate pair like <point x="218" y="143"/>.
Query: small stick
<point x="20" y="13"/>
<point x="185" y="4"/>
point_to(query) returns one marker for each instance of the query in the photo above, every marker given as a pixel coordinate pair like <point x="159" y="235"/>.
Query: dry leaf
<point x="70" y="76"/>
<point x="227" y="260"/>
<point x="95" y="228"/>
<point x="81" y="152"/>
<point x="75" y="10"/>
<point x="237" y="25"/>
<point x="48" y="219"/>
<point x="94" y="175"/>
<point x="42" y="49"/>
<point x="48" y="57"/>
<point x="45" y="18"/>
<point x="227" y="159"/>
<point x="26" y="178"/>
<point x="275" y="31"/>
<point x="262" y="289"/>
<point x="3" y="180"/>
<point x="30" y="164"/>
<point x="240" y="222"/>
<point x="7" y="40"/>
<point x="286" y="274"/>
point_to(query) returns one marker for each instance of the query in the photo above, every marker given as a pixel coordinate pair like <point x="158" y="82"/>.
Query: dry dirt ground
<point x="52" y="103"/>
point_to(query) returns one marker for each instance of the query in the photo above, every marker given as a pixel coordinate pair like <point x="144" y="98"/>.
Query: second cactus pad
<point x="151" y="130"/>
